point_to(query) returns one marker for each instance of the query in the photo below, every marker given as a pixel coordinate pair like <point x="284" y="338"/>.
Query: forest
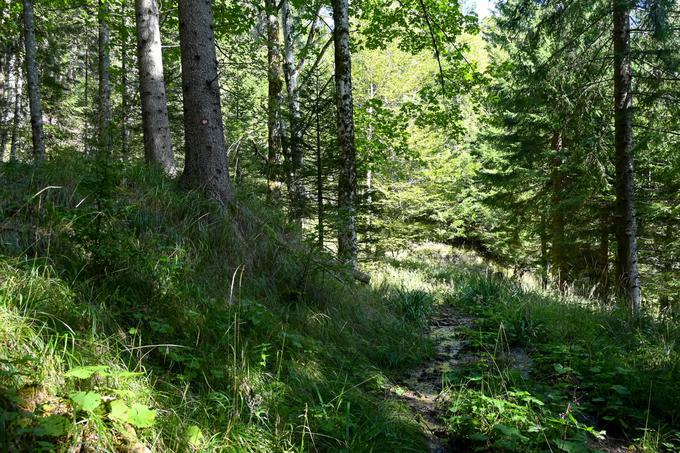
<point x="333" y="226"/>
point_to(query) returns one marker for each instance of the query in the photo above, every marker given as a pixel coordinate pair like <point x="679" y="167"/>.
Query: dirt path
<point x="421" y="388"/>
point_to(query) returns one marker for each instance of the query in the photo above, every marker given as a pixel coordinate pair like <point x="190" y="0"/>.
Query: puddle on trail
<point x="421" y="388"/>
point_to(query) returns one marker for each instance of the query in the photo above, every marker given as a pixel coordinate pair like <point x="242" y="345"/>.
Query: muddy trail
<point x="421" y="388"/>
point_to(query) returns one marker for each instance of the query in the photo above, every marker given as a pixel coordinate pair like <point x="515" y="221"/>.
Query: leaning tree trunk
<point x="33" y="83"/>
<point x="626" y="227"/>
<point x="347" y="180"/>
<point x="275" y="99"/>
<point x="105" y="136"/>
<point x="157" y="139"/>
<point x="291" y="72"/>
<point x="205" y="165"/>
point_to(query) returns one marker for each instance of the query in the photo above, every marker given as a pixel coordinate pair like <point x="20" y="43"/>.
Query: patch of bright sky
<point x="484" y="8"/>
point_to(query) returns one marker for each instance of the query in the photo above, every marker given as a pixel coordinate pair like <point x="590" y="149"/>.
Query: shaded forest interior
<point x="238" y="225"/>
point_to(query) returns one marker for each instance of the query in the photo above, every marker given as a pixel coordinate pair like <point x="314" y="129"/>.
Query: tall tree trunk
<point x="105" y="132"/>
<point x="18" y="88"/>
<point x="347" y="181"/>
<point x="86" y="99"/>
<point x="157" y="139"/>
<point x="557" y="215"/>
<point x="5" y="99"/>
<point x="124" y="130"/>
<point x="292" y="73"/>
<point x="319" y="168"/>
<point x="205" y="165"/>
<point x="33" y="83"/>
<point x="275" y="99"/>
<point x="626" y="230"/>
<point x="544" y="252"/>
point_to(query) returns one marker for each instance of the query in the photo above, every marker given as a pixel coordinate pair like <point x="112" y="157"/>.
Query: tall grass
<point x="209" y="330"/>
<point x="590" y="369"/>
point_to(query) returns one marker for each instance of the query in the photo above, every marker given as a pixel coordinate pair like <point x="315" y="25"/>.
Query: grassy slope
<point x="207" y="330"/>
<point x="223" y="331"/>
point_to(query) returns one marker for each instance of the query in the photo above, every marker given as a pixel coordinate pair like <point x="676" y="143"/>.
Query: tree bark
<point x="557" y="215"/>
<point x="319" y="167"/>
<point x="124" y="130"/>
<point x="544" y="252"/>
<point x="274" y="100"/>
<point x="5" y="99"/>
<point x="626" y="227"/>
<point x="292" y="73"/>
<point x="347" y="180"/>
<point x="33" y="83"/>
<point x="155" y="122"/>
<point x="603" y="252"/>
<point x="105" y="132"/>
<point x="205" y="165"/>
<point x="86" y="99"/>
<point x="18" y="88"/>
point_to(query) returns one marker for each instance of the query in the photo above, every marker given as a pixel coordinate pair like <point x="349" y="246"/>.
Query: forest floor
<point x="138" y="317"/>
<point x="421" y="388"/>
<point x="516" y="368"/>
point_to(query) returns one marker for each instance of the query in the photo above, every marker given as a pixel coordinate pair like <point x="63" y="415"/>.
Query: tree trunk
<point x="105" y="136"/>
<point x="626" y="227"/>
<point x="557" y="215"/>
<point x="292" y="73"/>
<point x="205" y="165"/>
<point x="33" y="83"/>
<point x="86" y="100"/>
<point x="603" y="252"/>
<point x="275" y="99"/>
<point x="319" y="168"/>
<point x="5" y="100"/>
<point x="124" y="130"/>
<point x="157" y="139"/>
<point x="18" y="88"/>
<point x="347" y="180"/>
<point x="544" y="252"/>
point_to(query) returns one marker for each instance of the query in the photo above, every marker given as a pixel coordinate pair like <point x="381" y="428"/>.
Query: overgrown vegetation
<point x="560" y="374"/>
<point x="210" y="299"/>
<point x="134" y="314"/>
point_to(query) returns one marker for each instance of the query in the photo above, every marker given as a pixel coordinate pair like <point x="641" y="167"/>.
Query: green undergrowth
<point x="135" y="316"/>
<point x="552" y="373"/>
